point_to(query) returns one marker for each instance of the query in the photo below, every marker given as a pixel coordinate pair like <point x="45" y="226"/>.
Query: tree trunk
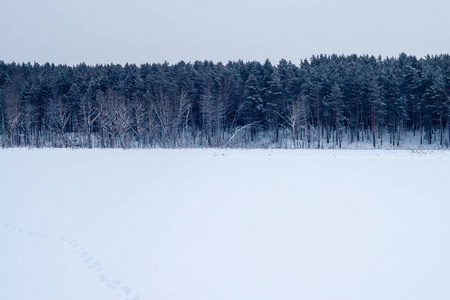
<point x="373" y="130"/>
<point x="421" y="129"/>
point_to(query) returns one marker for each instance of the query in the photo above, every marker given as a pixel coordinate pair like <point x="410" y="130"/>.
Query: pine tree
<point x="274" y="94"/>
<point x="254" y="105"/>
<point x="337" y="105"/>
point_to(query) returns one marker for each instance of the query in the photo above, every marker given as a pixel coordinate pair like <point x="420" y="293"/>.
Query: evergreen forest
<point x="327" y="101"/>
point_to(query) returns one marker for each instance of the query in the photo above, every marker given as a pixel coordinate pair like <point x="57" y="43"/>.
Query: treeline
<point x="324" y="102"/>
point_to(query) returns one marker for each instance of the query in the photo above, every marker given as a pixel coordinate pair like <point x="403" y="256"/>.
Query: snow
<point x="224" y="224"/>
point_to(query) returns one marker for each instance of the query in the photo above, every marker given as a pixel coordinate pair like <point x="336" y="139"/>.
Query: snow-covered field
<point x="224" y="224"/>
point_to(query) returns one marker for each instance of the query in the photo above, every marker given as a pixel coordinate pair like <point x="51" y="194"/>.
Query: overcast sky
<point x="138" y="31"/>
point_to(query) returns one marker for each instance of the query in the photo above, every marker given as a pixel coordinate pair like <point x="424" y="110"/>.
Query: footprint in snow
<point x="78" y="249"/>
<point x="126" y="290"/>
<point x="113" y="284"/>
<point x="84" y="254"/>
<point x="94" y="266"/>
<point x="71" y="242"/>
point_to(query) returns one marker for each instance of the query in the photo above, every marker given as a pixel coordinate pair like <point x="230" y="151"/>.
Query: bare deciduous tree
<point x="121" y="118"/>
<point x="104" y="118"/>
<point x="213" y="109"/>
<point x="114" y="118"/>
<point x="58" y="116"/>
<point x="139" y="112"/>
<point x="89" y="114"/>
<point x="13" y="113"/>
<point x="172" y="115"/>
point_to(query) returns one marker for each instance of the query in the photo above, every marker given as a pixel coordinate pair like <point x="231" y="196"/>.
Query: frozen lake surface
<point x="224" y="224"/>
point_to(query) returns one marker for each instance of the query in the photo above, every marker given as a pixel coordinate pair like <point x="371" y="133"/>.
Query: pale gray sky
<point x="138" y="31"/>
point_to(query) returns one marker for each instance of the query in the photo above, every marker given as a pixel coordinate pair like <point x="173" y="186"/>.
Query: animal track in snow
<point x="94" y="267"/>
<point x="126" y="290"/>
